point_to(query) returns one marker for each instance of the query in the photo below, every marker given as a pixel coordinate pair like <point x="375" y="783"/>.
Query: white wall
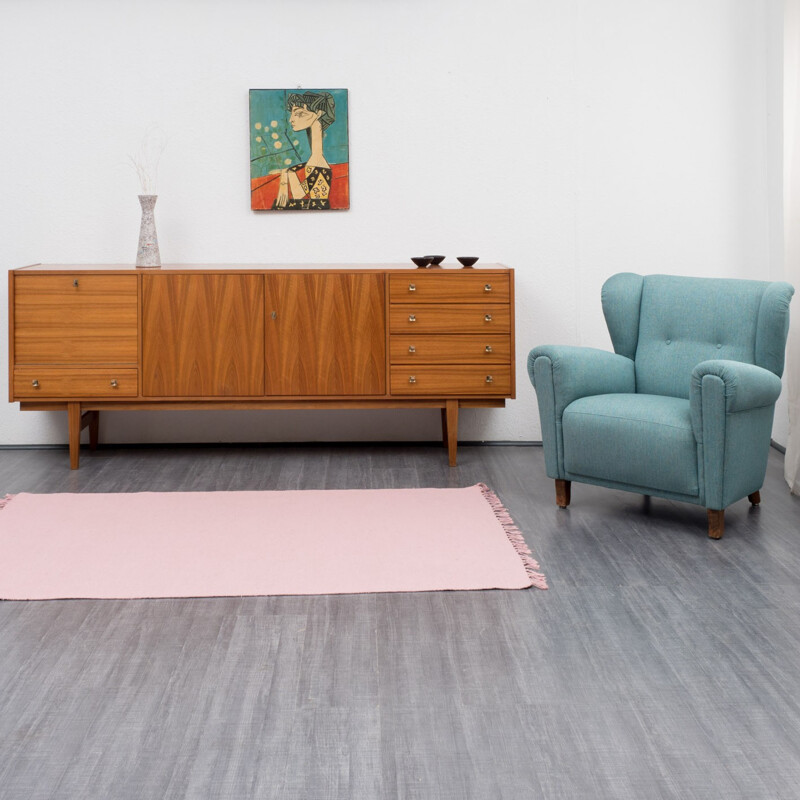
<point x="570" y="140"/>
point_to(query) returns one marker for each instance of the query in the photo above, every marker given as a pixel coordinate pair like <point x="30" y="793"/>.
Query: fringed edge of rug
<point x="4" y="501"/>
<point x="515" y="536"/>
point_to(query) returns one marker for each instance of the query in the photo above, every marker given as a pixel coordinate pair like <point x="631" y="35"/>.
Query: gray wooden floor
<point x="660" y="664"/>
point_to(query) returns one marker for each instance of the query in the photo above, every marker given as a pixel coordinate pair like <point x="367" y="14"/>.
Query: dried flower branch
<point x="145" y="162"/>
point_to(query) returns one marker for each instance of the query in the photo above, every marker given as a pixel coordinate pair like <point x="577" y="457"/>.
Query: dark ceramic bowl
<point x="435" y="260"/>
<point x="467" y="261"/>
<point x="421" y="261"/>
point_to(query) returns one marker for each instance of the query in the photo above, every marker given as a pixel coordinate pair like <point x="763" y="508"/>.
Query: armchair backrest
<point x="668" y="324"/>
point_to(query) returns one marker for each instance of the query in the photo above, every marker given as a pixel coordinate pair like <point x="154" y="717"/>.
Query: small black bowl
<point x="435" y="260"/>
<point x="466" y="261"/>
<point x="421" y="261"/>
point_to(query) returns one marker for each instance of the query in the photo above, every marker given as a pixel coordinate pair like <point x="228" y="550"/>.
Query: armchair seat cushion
<point x="642" y="440"/>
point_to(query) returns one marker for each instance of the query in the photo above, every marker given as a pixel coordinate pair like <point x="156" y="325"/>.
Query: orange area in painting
<point x="263" y="191"/>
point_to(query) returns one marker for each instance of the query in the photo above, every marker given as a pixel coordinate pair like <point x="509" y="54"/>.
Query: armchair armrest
<point x="570" y="372"/>
<point x="563" y="373"/>
<point x="732" y="406"/>
<point x="732" y="386"/>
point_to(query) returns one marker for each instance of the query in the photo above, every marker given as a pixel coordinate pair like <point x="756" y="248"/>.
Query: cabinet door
<point x="325" y="334"/>
<point x="75" y="319"/>
<point x="203" y="335"/>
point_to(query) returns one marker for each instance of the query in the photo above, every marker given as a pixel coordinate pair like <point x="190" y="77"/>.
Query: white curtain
<point x="791" y="219"/>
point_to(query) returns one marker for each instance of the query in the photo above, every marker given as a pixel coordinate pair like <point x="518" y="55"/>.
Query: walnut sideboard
<point x="92" y="338"/>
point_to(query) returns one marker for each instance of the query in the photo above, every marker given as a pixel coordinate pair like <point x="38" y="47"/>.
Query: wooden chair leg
<point x="563" y="493"/>
<point x="716" y="523"/>
<point x="755" y="498"/>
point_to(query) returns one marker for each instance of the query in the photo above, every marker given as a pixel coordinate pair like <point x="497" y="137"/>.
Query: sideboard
<point x="103" y="337"/>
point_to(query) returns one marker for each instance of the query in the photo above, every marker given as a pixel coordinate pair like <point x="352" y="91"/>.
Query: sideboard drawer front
<point x="64" y="383"/>
<point x="443" y="348"/>
<point x="472" y="318"/>
<point x="466" y="380"/>
<point x="75" y="319"/>
<point x="446" y="287"/>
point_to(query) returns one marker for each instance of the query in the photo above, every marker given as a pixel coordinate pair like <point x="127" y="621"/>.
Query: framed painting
<point x="299" y="153"/>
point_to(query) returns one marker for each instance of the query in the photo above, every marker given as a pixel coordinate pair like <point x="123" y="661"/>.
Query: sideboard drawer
<point x="449" y="288"/>
<point x="466" y="379"/>
<point x="45" y="384"/>
<point x="445" y="348"/>
<point x="75" y="319"/>
<point x="471" y="318"/>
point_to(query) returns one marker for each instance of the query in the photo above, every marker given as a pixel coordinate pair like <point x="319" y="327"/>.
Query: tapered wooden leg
<point x="74" y="426"/>
<point x="755" y="498"/>
<point x="563" y="493"/>
<point x="444" y="426"/>
<point x="716" y="523"/>
<point x="451" y="422"/>
<point x="92" y="420"/>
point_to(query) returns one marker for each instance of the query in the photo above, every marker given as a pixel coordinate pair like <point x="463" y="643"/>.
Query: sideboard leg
<point x="74" y="425"/>
<point x="451" y="421"/>
<point x="444" y="426"/>
<point x="92" y="420"/>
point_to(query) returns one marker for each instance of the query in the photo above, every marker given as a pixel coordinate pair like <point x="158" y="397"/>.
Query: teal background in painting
<point x="268" y="106"/>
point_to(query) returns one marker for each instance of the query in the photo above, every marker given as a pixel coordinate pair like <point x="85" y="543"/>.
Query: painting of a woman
<point x="288" y="173"/>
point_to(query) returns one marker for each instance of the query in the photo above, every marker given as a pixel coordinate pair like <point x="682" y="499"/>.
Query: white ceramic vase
<point x="148" y="255"/>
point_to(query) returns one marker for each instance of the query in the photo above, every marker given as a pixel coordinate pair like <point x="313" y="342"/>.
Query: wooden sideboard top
<point x="223" y="267"/>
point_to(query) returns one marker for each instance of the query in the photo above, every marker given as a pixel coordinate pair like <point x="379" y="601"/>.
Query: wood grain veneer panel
<point x="464" y="379"/>
<point x="43" y="383"/>
<point x="202" y="335"/>
<point x="325" y="334"/>
<point x="75" y="319"/>
<point x="463" y="318"/>
<point x="444" y="348"/>
<point x="446" y="287"/>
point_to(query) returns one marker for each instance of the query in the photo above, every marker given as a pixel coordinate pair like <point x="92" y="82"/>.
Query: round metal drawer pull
<point x="412" y="378"/>
<point x="412" y="317"/>
<point x="487" y="317"/>
<point x="114" y="383"/>
<point x="75" y="282"/>
<point x="487" y="287"/>
<point x="412" y="349"/>
<point x="35" y="384"/>
<point x="412" y="287"/>
<point x="489" y="379"/>
<point x="487" y="349"/>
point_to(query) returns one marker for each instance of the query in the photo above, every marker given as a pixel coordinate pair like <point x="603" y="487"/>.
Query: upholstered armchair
<point x="683" y="408"/>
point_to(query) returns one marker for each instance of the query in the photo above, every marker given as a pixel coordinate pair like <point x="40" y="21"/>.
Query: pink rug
<point x="215" y="544"/>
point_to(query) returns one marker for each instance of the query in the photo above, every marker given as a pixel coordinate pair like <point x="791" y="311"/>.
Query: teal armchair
<point x="683" y="408"/>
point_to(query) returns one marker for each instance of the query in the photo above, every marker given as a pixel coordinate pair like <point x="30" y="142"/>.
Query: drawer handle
<point x="412" y="317"/>
<point x="487" y="287"/>
<point x="487" y="349"/>
<point x="412" y="349"/>
<point x="75" y="282"/>
<point x="35" y="384"/>
<point x="489" y="379"/>
<point x="487" y="317"/>
<point x="114" y="383"/>
<point x="412" y="378"/>
<point x="412" y="287"/>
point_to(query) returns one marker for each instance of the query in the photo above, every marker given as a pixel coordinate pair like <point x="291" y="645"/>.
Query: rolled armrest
<point x="570" y="372"/>
<point x="732" y="406"/>
<point x="561" y="374"/>
<point x="743" y="387"/>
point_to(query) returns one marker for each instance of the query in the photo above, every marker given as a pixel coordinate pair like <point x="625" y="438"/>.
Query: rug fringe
<point x="515" y="536"/>
<point x="4" y="501"/>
